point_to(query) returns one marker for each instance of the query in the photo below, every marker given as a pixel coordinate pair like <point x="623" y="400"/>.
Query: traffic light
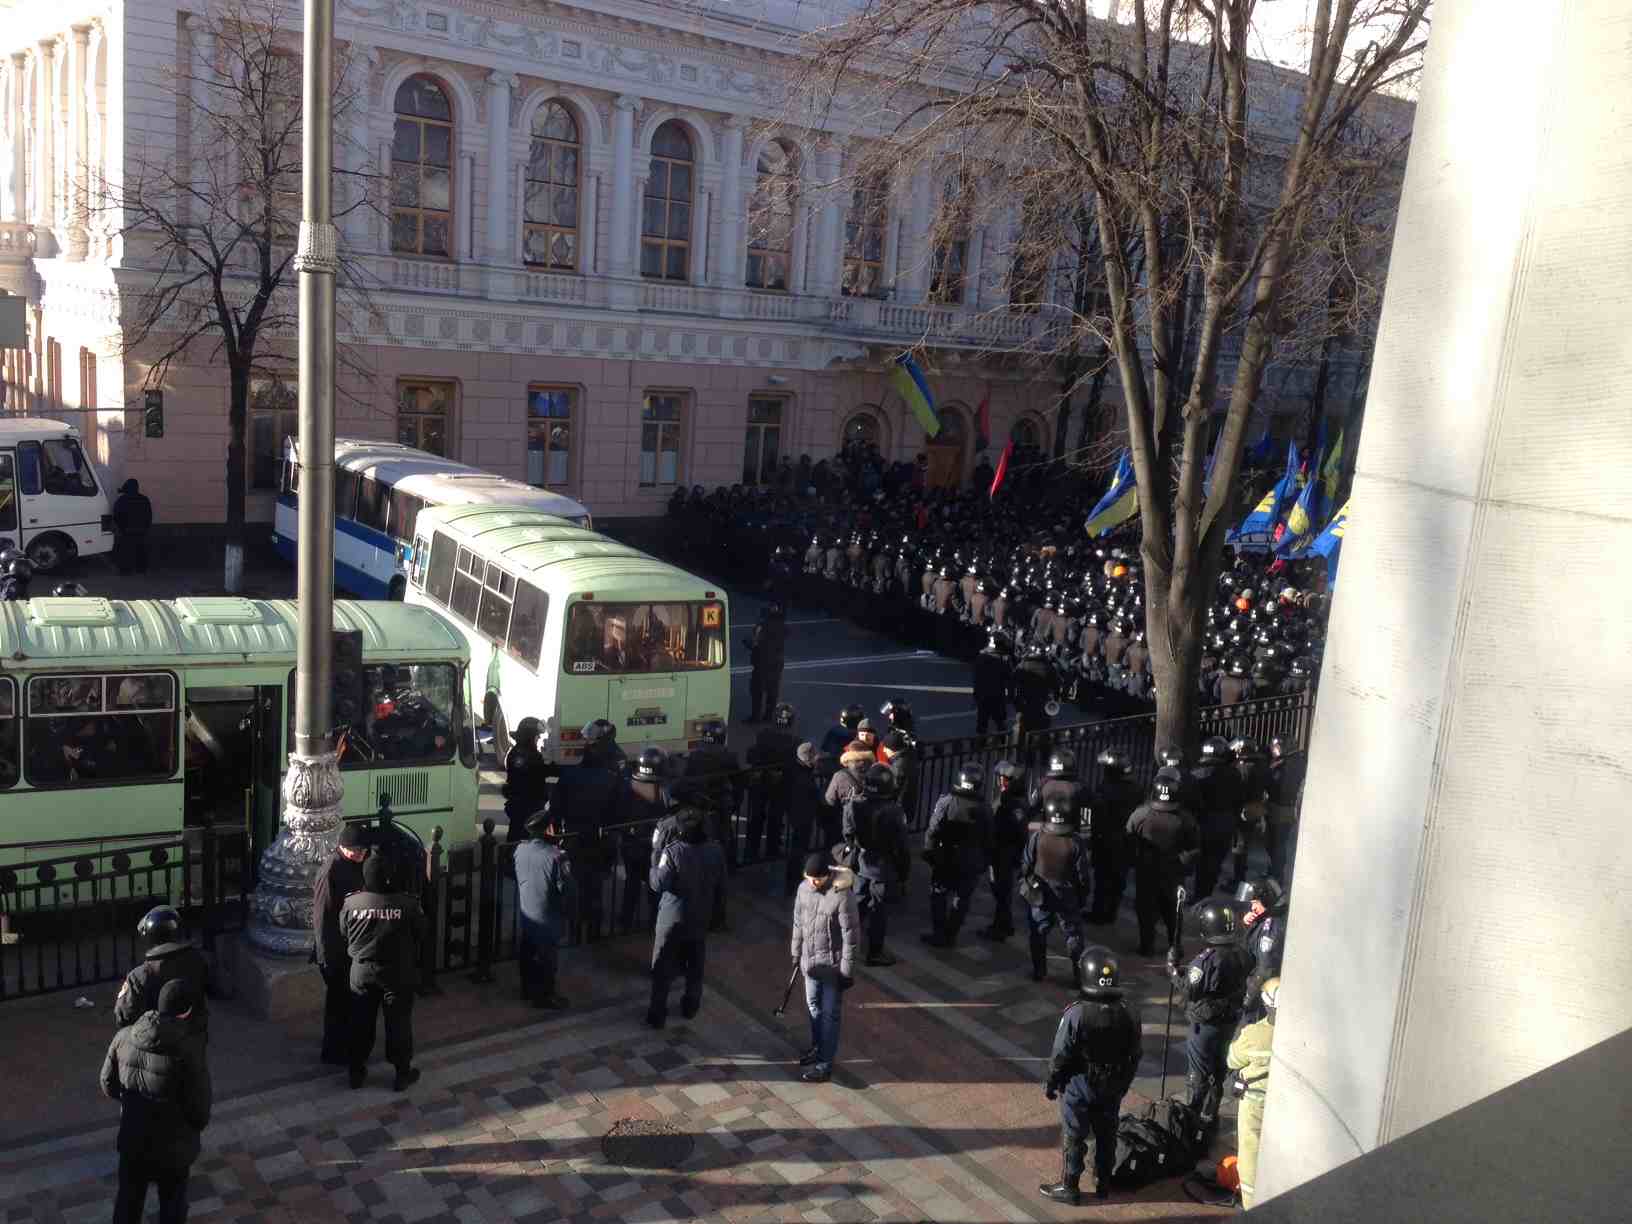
<point x="349" y="687"/>
<point x="153" y="414"/>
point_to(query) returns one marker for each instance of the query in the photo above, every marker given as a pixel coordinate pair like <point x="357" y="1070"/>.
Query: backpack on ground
<point x="1165" y="1140"/>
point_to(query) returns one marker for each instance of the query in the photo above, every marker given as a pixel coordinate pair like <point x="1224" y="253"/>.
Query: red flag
<point x="1002" y="468"/>
<point x="983" y="423"/>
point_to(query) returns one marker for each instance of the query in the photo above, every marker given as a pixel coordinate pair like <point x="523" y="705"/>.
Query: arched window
<point x="422" y="170"/>
<point x="864" y="238"/>
<point x="1025" y="434"/>
<point x="863" y="429"/>
<point x="951" y="253"/>
<point x="549" y="233"/>
<point x="665" y="220"/>
<point x="770" y="220"/>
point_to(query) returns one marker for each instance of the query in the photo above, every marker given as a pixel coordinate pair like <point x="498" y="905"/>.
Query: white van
<point x="51" y="503"/>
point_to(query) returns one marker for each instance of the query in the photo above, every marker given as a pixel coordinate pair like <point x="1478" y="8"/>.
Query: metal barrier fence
<point x="475" y="908"/>
<point x="69" y="920"/>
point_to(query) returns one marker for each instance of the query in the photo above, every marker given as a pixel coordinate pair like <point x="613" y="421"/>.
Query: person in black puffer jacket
<point x="156" y="1070"/>
<point x="527" y="779"/>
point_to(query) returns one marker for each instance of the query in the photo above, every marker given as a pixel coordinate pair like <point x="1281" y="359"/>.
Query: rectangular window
<point x="527" y="624"/>
<point x="661" y="420"/>
<point x="274" y="418"/>
<point x="621" y="639"/>
<point x="425" y="415"/>
<point x="405" y="508"/>
<point x="549" y="435"/>
<point x="10" y="762"/>
<point x="467" y="587"/>
<point x="86" y="730"/>
<point x="864" y="239"/>
<point x="373" y="503"/>
<point x="413" y="713"/>
<point x="345" y="494"/>
<point x="946" y="272"/>
<point x="57" y="467"/>
<point x="764" y="441"/>
<point x="439" y="577"/>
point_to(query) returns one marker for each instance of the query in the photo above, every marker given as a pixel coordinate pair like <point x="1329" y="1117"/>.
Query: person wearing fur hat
<point x="826" y="938"/>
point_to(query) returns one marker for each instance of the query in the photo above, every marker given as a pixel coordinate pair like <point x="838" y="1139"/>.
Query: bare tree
<point x="212" y="222"/>
<point x="1209" y="176"/>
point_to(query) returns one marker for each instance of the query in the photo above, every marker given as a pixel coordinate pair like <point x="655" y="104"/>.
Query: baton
<point x="1167" y="1025"/>
<point x="788" y="993"/>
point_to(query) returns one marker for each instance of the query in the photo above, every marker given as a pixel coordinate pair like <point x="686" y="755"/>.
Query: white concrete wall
<point x="1462" y="914"/>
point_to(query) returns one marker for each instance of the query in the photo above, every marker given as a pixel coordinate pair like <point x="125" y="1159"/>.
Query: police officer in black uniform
<point x="992" y="683"/>
<point x="590" y="797"/>
<point x="1057" y="858"/>
<point x="688" y="880"/>
<point x="958" y="849"/>
<point x="1096" y="1055"/>
<point x="1218" y="795"/>
<point x="1010" y="816"/>
<point x="1164" y="841"/>
<point x="836" y="737"/>
<point x="168" y="958"/>
<point x="767" y="651"/>
<point x="1211" y="987"/>
<point x="648" y="799"/>
<point x="875" y="835"/>
<point x="1033" y="690"/>
<point x="385" y="929"/>
<point x="1060" y="782"/>
<point x="772" y="752"/>
<point x="1253" y="770"/>
<point x="1263" y="904"/>
<point x="1113" y="805"/>
<point x="339" y="879"/>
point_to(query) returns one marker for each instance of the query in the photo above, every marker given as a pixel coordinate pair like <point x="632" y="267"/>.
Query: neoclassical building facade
<point x="598" y="262"/>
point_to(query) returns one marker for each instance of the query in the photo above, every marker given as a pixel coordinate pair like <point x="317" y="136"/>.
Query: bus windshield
<point x="624" y="639"/>
<point x="412" y="714"/>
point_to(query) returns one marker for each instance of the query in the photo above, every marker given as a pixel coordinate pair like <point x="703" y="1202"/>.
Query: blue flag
<point x="1303" y="516"/>
<point x="1329" y="543"/>
<point x="1260" y="452"/>
<point x="1258" y="527"/>
<point x="1121" y="500"/>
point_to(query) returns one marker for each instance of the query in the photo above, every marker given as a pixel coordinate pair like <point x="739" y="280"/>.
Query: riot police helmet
<point x="1265" y="889"/>
<point x="10" y="553"/>
<point x="1238" y="666"/>
<point x="1170" y="758"/>
<point x="879" y="781"/>
<point x="1246" y="749"/>
<point x="69" y="590"/>
<point x="997" y="644"/>
<point x="944" y="571"/>
<point x="1278" y="746"/>
<point x="649" y="765"/>
<point x="712" y="731"/>
<point x="1036" y="651"/>
<point x="1215" y="750"/>
<point x="1062" y="763"/>
<point x="1121" y="625"/>
<point x="784" y="715"/>
<point x="1058" y="816"/>
<point x="897" y="711"/>
<point x="1100" y="973"/>
<point x="850" y="717"/>
<point x="1303" y="667"/>
<point x="160" y="925"/>
<point x="1115" y="763"/>
<point x="1009" y="772"/>
<point x="1166" y="786"/>
<point x="969" y="780"/>
<point x="20" y="568"/>
<point x="1218" y="922"/>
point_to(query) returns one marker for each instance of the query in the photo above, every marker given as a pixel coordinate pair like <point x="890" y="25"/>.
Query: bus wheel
<point x="47" y="552"/>
<point x="397" y="589"/>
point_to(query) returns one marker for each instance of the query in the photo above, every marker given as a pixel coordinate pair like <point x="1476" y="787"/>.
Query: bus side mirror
<point x="467" y="747"/>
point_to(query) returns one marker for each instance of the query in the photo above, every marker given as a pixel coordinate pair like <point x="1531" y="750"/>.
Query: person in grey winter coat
<point x="688" y="878"/>
<point x="547" y="898"/>
<point x="826" y="938"/>
<point x="156" y="1070"/>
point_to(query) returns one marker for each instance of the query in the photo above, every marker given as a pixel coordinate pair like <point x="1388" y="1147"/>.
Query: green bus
<point x="138" y="719"/>
<point x="567" y="626"/>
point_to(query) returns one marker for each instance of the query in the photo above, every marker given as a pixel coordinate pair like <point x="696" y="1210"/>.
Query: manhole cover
<point x="637" y="1144"/>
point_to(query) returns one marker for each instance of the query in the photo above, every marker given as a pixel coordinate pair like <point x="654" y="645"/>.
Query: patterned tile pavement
<point x="936" y="1113"/>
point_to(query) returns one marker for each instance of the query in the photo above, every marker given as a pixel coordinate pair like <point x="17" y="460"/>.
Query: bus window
<point x="8" y="493"/>
<point x="373" y="502"/>
<point x="10" y="766"/>
<point x="527" y="624"/>
<point x="467" y="586"/>
<point x="345" y="494"/>
<point x="63" y="470"/>
<point x="494" y="617"/>
<point x="90" y="729"/>
<point x="28" y="468"/>
<point x="632" y="638"/>
<point x="439" y="578"/>
<point x="413" y="713"/>
<point x="291" y="477"/>
<point x="405" y="508"/>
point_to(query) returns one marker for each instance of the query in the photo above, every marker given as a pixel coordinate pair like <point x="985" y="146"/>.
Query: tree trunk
<point x="1174" y="632"/>
<point x="237" y="426"/>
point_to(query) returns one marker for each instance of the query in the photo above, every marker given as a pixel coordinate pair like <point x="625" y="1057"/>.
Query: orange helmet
<point x="1243" y="604"/>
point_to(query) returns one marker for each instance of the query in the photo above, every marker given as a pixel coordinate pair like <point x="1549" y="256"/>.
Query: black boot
<point x="1039" y="958"/>
<point x="1068" y="1189"/>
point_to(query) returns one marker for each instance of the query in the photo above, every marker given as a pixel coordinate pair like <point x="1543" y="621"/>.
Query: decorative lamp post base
<point x="280" y="911"/>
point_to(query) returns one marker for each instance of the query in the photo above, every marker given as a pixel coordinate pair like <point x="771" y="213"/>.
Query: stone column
<point x="499" y="243"/>
<point x="621" y="247"/>
<point x="95" y="196"/>
<point x="1467" y="788"/>
<point x="200" y="133"/>
<point x="17" y="110"/>
<point x="917" y="222"/>
<point x="77" y="160"/>
<point x="822" y="276"/>
<point x="382" y="224"/>
<point x="354" y="226"/>
<point x="733" y="258"/>
<point x="40" y="173"/>
<point x="464" y="215"/>
<point x="589" y="214"/>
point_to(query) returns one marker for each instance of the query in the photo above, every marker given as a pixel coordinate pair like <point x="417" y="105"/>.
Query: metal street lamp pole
<point x="281" y="911"/>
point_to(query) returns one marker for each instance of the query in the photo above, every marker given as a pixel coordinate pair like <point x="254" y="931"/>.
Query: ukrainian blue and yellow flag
<point x="909" y="383"/>
<point x="1331" y="469"/>
<point x="1303" y="517"/>
<point x="1329" y="543"/>
<point x="1261" y="522"/>
<point x="1121" y="500"/>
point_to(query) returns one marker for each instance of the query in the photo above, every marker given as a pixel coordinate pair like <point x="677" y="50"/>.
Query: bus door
<point x="647" y="709"/>
<point x="234" y="751"/>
